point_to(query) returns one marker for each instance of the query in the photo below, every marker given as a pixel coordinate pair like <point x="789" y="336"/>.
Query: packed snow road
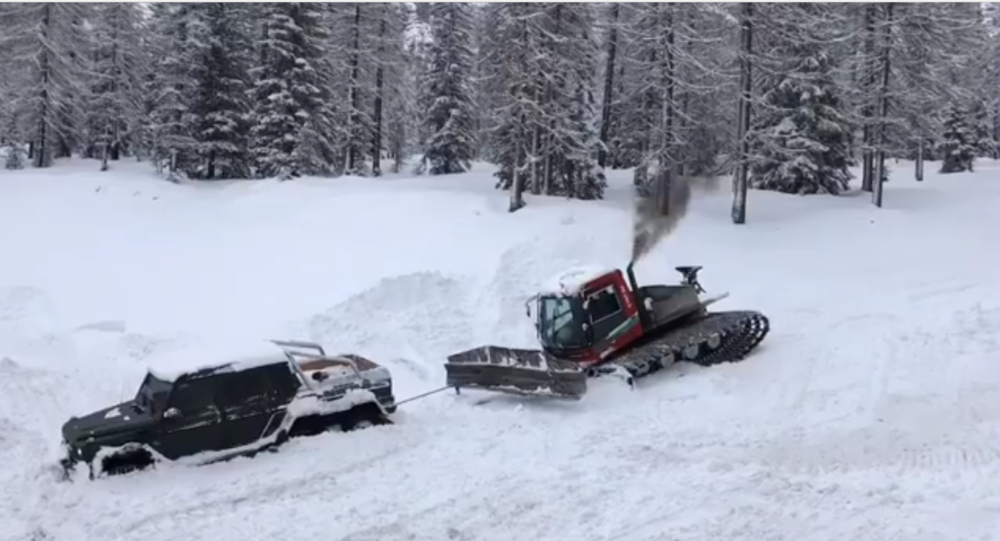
<point x="870" y="412"/>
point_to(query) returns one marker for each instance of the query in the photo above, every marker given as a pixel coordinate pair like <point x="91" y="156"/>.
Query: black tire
<point x="123" y="463"/>
<point x="363" y="416"/>
<point x="281" y="438"/>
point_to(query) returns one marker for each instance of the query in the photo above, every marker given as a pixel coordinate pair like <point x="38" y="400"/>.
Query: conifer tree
<point x="114" y="104"/>
<point x="957" y="145"/>
<point x="802" y="139"/>
<point x="451" y="143"/>
<point x="293" y="130"/>
<point x="44" y="45"/>
<point x="221" y="55"/>
<point x="170" y="89"/>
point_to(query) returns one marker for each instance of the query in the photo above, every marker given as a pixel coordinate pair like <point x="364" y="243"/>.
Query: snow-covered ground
<point x="871" y="412"/>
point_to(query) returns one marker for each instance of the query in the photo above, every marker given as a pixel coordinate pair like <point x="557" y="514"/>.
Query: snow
<point x="570" y="281"/>
<point x="313" y="404"/>
<point x="169" y="364"/>
<point x="871" y="412"/>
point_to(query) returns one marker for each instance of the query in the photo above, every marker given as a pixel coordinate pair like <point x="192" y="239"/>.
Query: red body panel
<point x="604" y="348"/>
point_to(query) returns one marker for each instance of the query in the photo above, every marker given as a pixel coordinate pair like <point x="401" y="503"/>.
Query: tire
<point x="123" y="463"/>
<point x="364" y="416"/>
<point x="281" y="438"/>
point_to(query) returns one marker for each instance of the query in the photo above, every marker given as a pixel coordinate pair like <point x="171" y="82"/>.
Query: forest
<point x="781" y="96"/>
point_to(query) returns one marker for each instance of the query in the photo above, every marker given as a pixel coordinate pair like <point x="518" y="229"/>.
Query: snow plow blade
<point x="515" y="371"/>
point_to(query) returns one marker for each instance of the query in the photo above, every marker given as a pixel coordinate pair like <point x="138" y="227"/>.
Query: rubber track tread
<point x="739" y="332"/>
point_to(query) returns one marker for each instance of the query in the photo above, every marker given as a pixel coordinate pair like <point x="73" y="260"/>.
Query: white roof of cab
<point x="172" y="363"/>
<point x="572" y="280"/>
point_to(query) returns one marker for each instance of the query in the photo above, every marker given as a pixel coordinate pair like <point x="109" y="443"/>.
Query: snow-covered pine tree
<point x="450" y="146"/>
<point x="115" y="102"/>
<point x="957" y="144"/>
<point x="11" y="139"/>
<point x="417" y="44"/>
<point x="388" y="22"/>
<point x="519" y="39"/>
<point x="980" y="125"/>
<point x="642" y="95"/>
<point x="353" y="28"/>
<point x="44" y="42"/>
<point x="10" y="129"/>
<point x="401" y="118"/>
<point x="170" y="89"/>
<point x="490" y="93"/>
<point x="674" y="105"/>
<point x="222" y="53"/>
<point x="546" y="134"/>
<point x="582" y="177"/>
<point x="293" y="131"/>
<point x="611" y="19"/>
<point x="706" y="66"/>
<point x="801" y="137"/>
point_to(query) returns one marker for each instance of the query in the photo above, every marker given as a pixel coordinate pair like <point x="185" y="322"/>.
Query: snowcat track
<point x="718" y="337"/>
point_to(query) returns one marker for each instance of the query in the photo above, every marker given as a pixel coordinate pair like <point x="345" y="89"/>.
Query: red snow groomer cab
<point x="603" y="323"/>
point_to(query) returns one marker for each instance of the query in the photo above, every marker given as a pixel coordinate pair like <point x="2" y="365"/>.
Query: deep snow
<point x="871" y="412"/>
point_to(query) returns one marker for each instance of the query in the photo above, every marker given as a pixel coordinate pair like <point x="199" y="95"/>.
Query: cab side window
<point x="602" y="304"/>
<point x="283" y="384"/>
<point x="193" y="396"/>
<point x="243" y="388"/>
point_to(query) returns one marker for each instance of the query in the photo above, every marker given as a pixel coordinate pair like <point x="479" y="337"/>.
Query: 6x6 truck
<point x="211" y="404"/>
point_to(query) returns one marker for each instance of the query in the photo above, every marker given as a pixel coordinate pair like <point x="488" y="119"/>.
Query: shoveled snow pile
<point x="871" y="412"/>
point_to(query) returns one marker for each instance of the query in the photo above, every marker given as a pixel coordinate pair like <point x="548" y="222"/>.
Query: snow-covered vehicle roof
<point x="572" y="280"/>
<point x="172" y="363"/>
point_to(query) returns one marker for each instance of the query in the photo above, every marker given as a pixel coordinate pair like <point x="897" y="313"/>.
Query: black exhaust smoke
<point x="658" y="213"/>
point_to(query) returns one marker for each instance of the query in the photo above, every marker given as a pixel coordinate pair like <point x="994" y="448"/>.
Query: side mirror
<point x="171" y="413"/>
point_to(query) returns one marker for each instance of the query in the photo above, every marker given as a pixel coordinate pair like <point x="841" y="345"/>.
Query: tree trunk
<point x="616" y="157"/>
<point x="536" y="143"/>
<point x="517" y="187"/>
<point x="883" y="103"/>
<point x="919" y="168"/>
<point x="641" y="175"/>
<point x="42" y="151"/>
<point x="739" y="212"/>
<point x="609" y="81"/>
<point x="355" y="53"/>
<point x="210" y="173"/>
<point x="667" y="159"/>
<point x="866" y="112"/>
<point x="116" y="69"/>
<point x="377" y="143"/>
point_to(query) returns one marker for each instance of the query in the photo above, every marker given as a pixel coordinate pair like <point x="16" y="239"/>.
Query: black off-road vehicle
<point x="238" y="406"/>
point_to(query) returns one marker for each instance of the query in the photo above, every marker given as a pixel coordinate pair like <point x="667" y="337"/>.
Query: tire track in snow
<point x="297" y="487"/>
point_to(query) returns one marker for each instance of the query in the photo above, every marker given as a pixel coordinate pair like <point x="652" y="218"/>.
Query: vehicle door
<point x="251" y="409"/>
<point x="191" y="421"/>
<point x="605" y="314"/>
